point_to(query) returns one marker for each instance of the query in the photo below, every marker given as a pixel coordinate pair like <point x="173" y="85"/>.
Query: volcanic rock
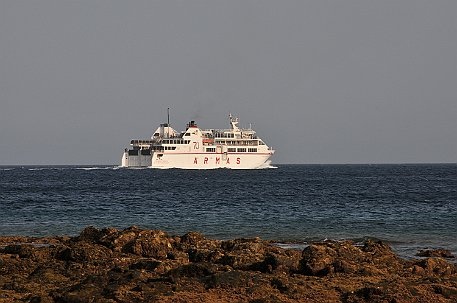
<point x="441" y="253"/>
<point x="136" y="265"/>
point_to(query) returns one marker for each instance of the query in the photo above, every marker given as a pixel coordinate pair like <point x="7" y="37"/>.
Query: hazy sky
<point x="321" y="81"/>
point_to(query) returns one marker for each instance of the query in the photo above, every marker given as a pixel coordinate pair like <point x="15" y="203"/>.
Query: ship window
<point x="242" y="150"/>
<point x="210" y="150"/>
<point x="261" y="142"/>
<point x="252" y="150"/>
<point x="187" y="134"/>
<point x="231" y="150"/>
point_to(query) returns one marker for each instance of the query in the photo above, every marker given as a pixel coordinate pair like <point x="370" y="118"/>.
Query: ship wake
<point x="266" y="165"/>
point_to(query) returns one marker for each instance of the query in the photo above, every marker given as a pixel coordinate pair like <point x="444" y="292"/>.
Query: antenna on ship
<point x="168" y="122"/>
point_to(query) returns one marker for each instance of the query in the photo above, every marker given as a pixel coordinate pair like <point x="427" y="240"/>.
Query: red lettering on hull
<point x="217" y="160"/>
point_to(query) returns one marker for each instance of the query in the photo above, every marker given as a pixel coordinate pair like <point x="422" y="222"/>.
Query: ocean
<point x="411" y="207"/>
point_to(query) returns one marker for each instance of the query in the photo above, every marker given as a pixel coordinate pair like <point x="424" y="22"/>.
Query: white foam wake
<point x="266" y="165"/>
<point x="97" y="168"/>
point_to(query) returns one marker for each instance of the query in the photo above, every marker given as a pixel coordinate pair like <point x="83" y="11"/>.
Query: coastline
<point x="140" y="265"/>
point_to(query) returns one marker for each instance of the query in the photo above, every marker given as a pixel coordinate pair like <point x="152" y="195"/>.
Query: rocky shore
<point x="135" y="265"/>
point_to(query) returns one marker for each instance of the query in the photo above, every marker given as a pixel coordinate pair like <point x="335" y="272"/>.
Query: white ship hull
<point x="199" y="161"/>
<point x="199" y="149"/>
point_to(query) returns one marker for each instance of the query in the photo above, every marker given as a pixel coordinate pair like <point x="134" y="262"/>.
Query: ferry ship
<point x="197" y="148"/>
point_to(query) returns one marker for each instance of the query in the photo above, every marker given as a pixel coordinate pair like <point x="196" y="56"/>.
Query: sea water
<point x="411" y="207"/>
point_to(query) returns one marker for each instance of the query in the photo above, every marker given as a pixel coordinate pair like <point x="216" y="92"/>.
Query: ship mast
<point x="168" y="122"/>
<point x="233" y="122"/>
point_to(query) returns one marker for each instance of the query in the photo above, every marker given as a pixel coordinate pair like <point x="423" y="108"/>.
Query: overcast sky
<point x="321" y="81"/>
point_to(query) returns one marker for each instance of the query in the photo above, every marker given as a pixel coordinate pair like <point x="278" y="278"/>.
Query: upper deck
<point x="234" y="136"/>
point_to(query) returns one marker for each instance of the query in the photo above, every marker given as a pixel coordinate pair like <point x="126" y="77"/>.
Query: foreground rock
<point x="442" y="253"/>
<point x="135" y="265"/>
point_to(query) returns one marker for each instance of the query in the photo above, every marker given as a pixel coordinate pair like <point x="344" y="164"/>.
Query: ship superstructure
<point x="197" y="148"/>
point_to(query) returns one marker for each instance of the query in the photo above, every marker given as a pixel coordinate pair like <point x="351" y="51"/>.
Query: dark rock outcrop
<point x="440" y="253"/>
<point x="136" y="265"/>
<point x="321" y="259"/>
